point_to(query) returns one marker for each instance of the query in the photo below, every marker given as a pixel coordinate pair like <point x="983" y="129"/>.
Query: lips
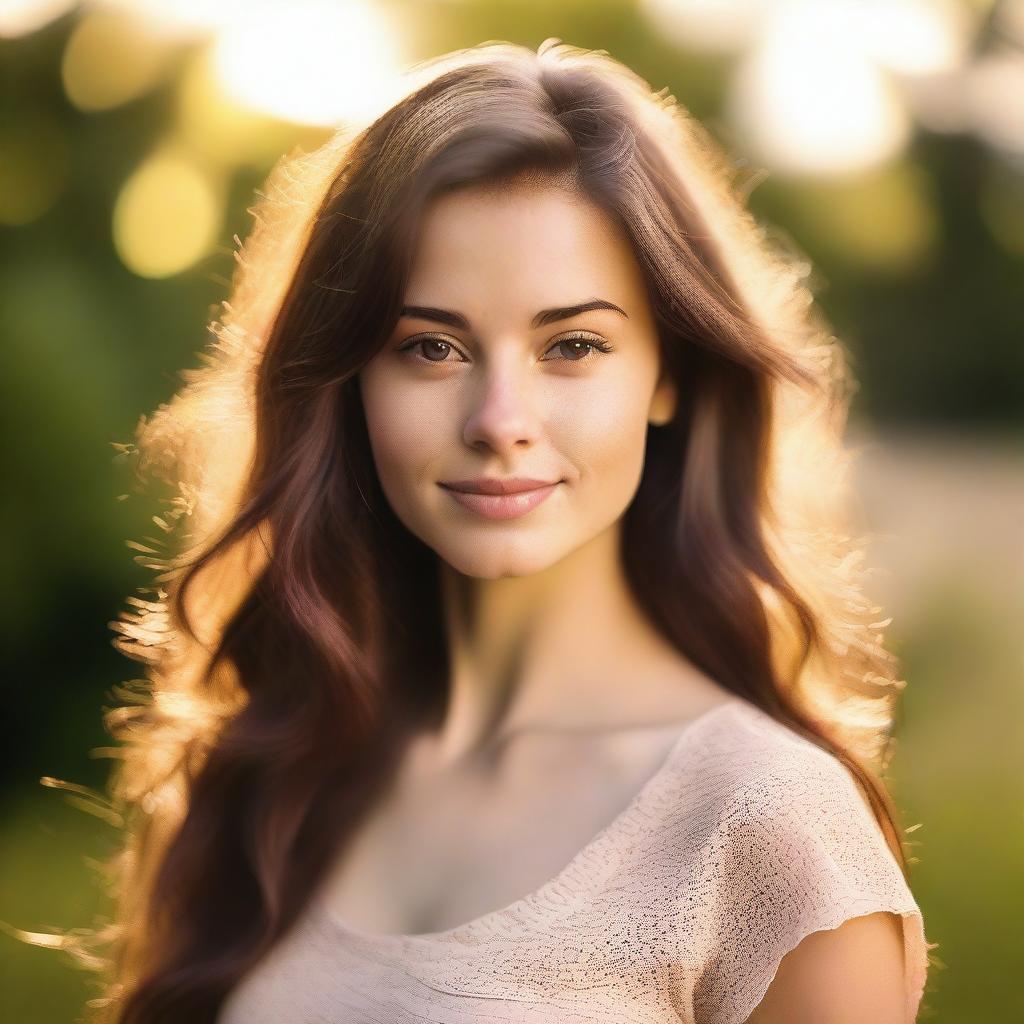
<point x="497" y="485"/>
<point x="504" y="504"/>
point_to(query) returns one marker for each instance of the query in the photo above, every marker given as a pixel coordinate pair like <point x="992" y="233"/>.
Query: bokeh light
<point x="216" y="128"/>
<point x="311" y="61"/>
<point x="719" y="26"/>
<point x="812" y="92"/>
<point x="914" y="37"/>
<point x="185" y="18"/>
<point x="167" y="215"/>
<point x="807" y="101"/>
<point x="111" y="59"/>
<point x="20" y="17"/>
<point x="995" y="98"/>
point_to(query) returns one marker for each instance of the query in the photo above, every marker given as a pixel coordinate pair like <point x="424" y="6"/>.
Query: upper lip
<point x="497" y="485"/>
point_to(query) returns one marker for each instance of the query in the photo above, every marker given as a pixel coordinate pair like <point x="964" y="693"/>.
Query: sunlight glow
<point x="311" y="62"/>
<point x="819" y="85"/>
<point x="720" y="26"/>
<point x="914" y="37"/>
<point x="910" y="36"/>
<point x="183" y="17"/>
<point x="20" y="17"/>
<point x="167" y="215"/>
<point x="807" y="100"/>
<point x="216" y="129"/>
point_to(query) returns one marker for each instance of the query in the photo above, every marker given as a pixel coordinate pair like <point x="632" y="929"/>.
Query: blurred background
<point x="884" y="139"/>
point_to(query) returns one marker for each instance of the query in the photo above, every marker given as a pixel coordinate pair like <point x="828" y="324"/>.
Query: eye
<point x="572" y="343"/>
<point x="577" y="347"/>
<point x="432" y="346"/>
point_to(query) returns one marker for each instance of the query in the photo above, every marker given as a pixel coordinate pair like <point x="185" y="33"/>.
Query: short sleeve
<point x="798" y="851"/>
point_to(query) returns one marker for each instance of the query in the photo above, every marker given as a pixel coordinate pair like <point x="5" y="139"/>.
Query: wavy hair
<point x="292" y="638"/>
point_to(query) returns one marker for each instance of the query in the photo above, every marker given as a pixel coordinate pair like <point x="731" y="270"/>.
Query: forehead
<point x="522" y="249"/>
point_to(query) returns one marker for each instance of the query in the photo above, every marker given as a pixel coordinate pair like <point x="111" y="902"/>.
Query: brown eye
<point x="576" y="351"/>
<point x="580" y="348"/>
<point x="434" y="350"/>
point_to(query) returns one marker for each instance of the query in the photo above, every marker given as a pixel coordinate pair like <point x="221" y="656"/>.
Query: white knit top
<point x="746" y="839"/>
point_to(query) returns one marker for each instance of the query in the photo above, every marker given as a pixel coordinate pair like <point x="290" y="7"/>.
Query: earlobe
<point x="663" y="403"/>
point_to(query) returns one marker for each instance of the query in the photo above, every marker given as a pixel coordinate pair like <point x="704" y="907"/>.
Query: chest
<point x="441" y="849"/>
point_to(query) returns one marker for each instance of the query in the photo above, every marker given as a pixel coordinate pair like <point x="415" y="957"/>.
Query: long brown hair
<point x="293" y="637"/>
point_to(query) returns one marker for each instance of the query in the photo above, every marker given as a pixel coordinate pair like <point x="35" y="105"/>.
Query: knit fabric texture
<point x="746" y="839"/>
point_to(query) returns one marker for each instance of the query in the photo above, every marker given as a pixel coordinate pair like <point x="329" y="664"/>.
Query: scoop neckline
<point x="488" y="920"/>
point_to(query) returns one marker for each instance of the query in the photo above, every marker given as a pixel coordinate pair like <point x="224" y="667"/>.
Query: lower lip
<point x="502" y="506"/>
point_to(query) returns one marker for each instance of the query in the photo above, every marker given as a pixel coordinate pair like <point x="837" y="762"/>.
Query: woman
<point x="516" y="664"/>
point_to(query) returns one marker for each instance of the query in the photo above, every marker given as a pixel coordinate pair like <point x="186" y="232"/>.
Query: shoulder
<point x="741" y="763"/>
<point x="749" y="790"/>
<point x="800" y="875"/>
<point x="761" y="773"/>
<point x="794" y="824"/>
<point x="790" y="782"/>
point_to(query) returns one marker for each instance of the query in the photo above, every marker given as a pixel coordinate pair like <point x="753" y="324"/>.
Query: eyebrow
<point x="545" y="316"/>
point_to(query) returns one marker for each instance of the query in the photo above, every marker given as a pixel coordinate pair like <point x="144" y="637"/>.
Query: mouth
<point x="497" y="485"/>
<point x="503" y="504"/>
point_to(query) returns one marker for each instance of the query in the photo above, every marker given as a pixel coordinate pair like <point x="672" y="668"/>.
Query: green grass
<point x="47" y="886"/>
<point x="959" y="771"/>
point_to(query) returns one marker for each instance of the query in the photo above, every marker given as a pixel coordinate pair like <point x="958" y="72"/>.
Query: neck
<point x="565" y="648"/>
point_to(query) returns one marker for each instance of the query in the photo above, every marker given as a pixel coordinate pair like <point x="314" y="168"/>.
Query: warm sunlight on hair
<point x="292" y="628"/>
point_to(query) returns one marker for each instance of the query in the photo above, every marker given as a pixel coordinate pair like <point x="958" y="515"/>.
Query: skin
<point x="563" y="699"/>
<point x="852" y="974"/>
<point x="504" y="399"/>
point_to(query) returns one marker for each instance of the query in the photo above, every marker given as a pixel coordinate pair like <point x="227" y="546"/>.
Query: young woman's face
<point x="491" y="374"/>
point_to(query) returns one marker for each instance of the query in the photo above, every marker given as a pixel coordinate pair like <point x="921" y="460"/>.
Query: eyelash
<point x="578" y="336"/>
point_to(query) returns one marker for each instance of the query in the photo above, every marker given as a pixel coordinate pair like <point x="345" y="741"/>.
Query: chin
<point x="490" y="559"/>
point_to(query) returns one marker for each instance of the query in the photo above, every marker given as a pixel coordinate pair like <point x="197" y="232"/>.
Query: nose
<point x="503" y="415"/>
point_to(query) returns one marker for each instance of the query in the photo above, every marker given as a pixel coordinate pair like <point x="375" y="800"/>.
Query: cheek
<point x="604" y="437"/>
<point x="404" y="431"/>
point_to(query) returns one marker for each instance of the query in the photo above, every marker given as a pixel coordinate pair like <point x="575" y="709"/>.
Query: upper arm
<point x="852" y="974"/>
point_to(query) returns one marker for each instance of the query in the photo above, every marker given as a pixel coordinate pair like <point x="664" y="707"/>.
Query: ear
<point x="663" y="402"/>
